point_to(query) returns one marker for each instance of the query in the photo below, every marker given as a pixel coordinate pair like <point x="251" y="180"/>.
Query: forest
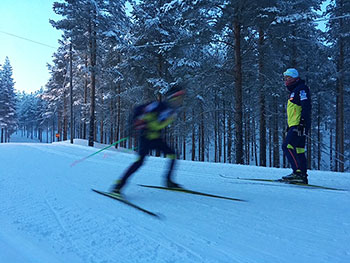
<point x="229" y="55"/>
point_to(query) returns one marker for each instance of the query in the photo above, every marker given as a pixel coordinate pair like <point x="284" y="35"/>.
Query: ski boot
<point x="171" y="184"/>
<point x="116" y="189"/>
<point x="296" y="177"/>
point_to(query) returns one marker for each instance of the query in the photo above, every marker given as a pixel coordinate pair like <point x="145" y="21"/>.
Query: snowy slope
<point x="49" y="214"/>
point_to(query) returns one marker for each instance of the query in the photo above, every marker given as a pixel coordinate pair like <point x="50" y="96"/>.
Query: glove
<point x="301" y="128"/>
<point x="286" y="132"/>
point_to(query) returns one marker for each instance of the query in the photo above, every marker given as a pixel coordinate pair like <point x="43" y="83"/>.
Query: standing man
<point x="299" y="122"/>
<point x="149" y="120"/>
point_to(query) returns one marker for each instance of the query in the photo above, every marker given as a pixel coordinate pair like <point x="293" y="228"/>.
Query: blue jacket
<point x="299" y="104"/>
<point x="152" y="117"/>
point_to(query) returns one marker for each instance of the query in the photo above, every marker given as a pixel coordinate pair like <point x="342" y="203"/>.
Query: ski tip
<point x="159" y="216"/>
<point x="122" y="199"/>
<point x="99" y="191"/>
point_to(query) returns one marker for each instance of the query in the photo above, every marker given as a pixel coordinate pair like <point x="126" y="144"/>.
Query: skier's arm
<point x="305" y="108"/>
<point x="164" y="119"/>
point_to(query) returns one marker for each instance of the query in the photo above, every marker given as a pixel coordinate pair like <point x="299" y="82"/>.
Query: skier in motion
<point x="299" y="122"/>
<point x="149" y="120"/>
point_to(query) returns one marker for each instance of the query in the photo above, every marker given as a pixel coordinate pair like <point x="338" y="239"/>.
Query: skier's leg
<point x="170" y="154"/>
<point x="132" y="169"/>
<point x="143" y="151"/>
<point x="301" y="158"/>
<point x="289" y="149"/>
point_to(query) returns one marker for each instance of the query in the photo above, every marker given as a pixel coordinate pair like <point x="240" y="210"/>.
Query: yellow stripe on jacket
<point x="293" y="114"/>
<point x="154" y="125"/>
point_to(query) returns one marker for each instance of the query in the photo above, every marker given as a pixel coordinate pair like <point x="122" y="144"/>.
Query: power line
<point x="154" y="45"/>
<point x="331" y="18"/>
<point x="27" y="39"/>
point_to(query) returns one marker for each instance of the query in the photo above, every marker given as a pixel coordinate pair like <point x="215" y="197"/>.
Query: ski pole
<point x="324" y="146"/>
<point x="109" y="146"/>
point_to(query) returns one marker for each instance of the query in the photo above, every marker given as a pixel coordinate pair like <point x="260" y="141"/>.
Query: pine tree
<point x="8" y="116"/>
<point x="229" y="55"/>
<point x="339" y="37"/>
<point x="86" y="22"/>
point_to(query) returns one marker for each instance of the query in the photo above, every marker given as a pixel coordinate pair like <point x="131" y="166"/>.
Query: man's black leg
<point x="288" y="148"/>
<point x="170" y="154"/>
<point x="133" y="168"/>
<point x="171" y="166"/>
<point x="300" y="149"/>
<point x="144" y="147"/>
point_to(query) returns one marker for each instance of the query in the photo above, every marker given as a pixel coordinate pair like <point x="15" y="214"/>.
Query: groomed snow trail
<point x="49" y="213"/>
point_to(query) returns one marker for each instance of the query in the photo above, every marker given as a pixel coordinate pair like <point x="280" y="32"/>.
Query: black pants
<point x="145" y="146"/>
<point x="294" y="148"/>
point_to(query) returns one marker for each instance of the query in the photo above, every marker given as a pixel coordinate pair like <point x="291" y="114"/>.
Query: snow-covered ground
<point x="17" y="137"/>
<point x="48" y="212"/>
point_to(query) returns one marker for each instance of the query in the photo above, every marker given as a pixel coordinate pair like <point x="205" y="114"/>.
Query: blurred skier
<point x="299" y="122"/>
<point x="149" y="120"/>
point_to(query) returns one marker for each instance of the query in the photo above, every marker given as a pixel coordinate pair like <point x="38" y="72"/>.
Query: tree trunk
<point x="319" y="138"/>
<point x="202" y="137"/>
<point x="65" y="116"/>
<point x="216" y="132"/>
<point x="102" y="119"/>
<point x="71" y="93"/>
<point x="254" y="144"/>
<point x="224" y="130"/>
<point x="229" y="138"/>
<point x="53" y="129"/>
<point x="111" y="120"/>
<point x="85" y="100"/>
<point x="92" y="46"/>
<point x="331" y="150"/>
<point x="340" y="98"/>
<point x="219" y="136"/>
<point x="199" y="142"/>
<point x="59" y="126"/>
<point x="193" y="156"/>
<point x="246" y="129"/>
<point x="238" y="115"/>
<point x="276" y="148"/>
<point x="184" y="140"/>
<point x="47" y="131"/>
<point x="262" y="126"/>
<point x="270" y="142"/>
<point x="118" y="124"/>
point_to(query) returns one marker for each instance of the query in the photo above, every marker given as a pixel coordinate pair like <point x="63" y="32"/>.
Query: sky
<point x="28" y="19"/>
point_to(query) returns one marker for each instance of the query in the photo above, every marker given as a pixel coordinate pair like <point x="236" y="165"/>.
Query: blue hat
<point x="291" y="72"/>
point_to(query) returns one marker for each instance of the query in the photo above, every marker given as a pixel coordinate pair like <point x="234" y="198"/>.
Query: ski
<point x="287" y="182"/>
<point x="123" y="200"/>
<point x="187" y="191"/>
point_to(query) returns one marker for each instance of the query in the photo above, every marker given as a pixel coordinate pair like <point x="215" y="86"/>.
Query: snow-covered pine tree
<point x="88" y="23"/>
<point x="29" y="116"/>
<point x="112" y="73"/>
<point x="160" y="54"/>
<point x="8" y="115"/>
<point x="266" y="14"/>
<point x="339" y="38"/>
<point x="224" y="52"/>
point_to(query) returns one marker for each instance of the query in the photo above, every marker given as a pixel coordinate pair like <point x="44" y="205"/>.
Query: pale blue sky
<point x="28" y="19"/>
